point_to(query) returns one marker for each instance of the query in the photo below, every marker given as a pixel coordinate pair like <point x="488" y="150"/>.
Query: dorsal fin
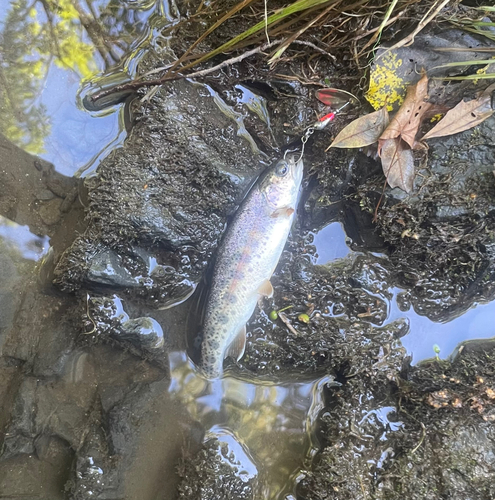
<point x="237" y="347"/>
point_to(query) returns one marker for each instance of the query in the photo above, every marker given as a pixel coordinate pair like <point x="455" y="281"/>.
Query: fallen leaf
<point x="406" y="122"/>
<point x="397" y="163"/>
<point x="464" y="116"/>
<point x="362" y="132"/>
<point x="439" y="399"/>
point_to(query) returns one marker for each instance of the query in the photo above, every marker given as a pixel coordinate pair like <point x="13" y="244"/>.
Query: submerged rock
<point x="145" y="332"/>
<point x="216" y="473"/>
<point x="107" y="322"/>
<point x="346" y="303"/>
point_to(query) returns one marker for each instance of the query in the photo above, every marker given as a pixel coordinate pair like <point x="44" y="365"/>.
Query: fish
<point x="246" y="259"/>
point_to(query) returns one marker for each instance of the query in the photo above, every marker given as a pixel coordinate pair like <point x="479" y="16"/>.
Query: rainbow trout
<point x="246" y="260"/>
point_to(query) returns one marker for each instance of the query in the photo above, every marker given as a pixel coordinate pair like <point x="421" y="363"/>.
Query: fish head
<point x="280" y="186"/>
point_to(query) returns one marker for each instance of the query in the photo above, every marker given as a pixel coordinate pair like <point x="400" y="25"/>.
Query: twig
<point x="376" y="37"/>
<point x="373" y="30"/>
<point x="314" y="47"/>
<point x="287" y="323"/>
<point x="286" y="44"/>
<point x="424" y="21"/>
<point x="134" y="85"/>
<point x="226" y="16"/>
<point x="137" y="84"/>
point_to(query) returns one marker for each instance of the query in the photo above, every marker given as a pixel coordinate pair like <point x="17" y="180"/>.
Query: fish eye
<point x="282" y="170"/>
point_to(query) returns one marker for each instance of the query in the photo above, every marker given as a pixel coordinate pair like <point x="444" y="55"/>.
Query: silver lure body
<point x="246" y="260"/>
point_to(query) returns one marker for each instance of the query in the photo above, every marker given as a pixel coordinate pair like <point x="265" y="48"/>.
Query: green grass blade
<point x="210" y="30"/>
<point x="456" y="49"/>
<point x="487" y="76"/>
<point x="284" y="45"/>
<point x="483" y="23"/>
<point x="465" y="63"/>
<point x="297" y="6"/>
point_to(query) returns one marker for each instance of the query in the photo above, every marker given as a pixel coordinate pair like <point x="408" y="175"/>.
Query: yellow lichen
<point x="481" y="71"/>
<point x="386" y="86"/>
<point x="436" y="118"/>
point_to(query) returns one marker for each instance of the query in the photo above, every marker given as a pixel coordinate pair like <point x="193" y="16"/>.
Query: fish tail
<point x="210" y="364"/>
<point x="210" y="372"/>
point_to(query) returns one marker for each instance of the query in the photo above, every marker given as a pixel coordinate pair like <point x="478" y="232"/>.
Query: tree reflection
<point x="82" y="37"/>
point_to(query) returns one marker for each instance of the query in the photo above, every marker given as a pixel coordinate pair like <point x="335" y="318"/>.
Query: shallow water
<point x="269" y="426"/>
<point x="424" y="334"/>
<point x="21" y="239"/>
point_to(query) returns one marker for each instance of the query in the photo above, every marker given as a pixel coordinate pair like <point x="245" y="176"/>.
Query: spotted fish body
<point x="246" y="260"/>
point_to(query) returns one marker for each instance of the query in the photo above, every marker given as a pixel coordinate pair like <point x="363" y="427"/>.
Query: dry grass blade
<point x="427" y="18"/>
<point x="481" y="76"/>
<point x="298" y="6"/>
<point x="283" y="46"/>
<point x="472" y="28"/>
<point x="224" y="18"/>
<point x="456" y="49"/>
<point x="378" y="33"/>
<point x="473" y="62"/>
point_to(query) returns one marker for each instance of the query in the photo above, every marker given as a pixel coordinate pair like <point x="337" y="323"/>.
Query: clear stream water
<point x="268" y="427"/>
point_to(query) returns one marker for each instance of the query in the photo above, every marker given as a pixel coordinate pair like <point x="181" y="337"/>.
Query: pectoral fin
<point x="238" y="346"/>
<point x="266" y="289"/>
<point x="282" y="212"/>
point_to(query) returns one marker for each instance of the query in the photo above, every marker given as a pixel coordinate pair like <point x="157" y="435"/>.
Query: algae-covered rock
<point x="166" y="193"/>
<point x="441" y="238"/>
<point x="436" y="440"/>
<point x="215" y="473"/>
<point x="344" y="332"/>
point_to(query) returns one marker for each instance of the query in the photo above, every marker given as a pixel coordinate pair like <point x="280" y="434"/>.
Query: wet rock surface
<point x="441" y="238"/>
<point x="158" y="206"/>
<point x="343" y="334"/>
<point x="43" y="198"/>
<point x="436" y="442"/>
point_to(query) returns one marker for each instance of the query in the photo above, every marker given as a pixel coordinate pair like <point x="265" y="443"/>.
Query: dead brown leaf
<point x="464" y="116"/>
<point x="397" y="163"/>
<point x="362" y="132"/>
<point x="406" y="122"/>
